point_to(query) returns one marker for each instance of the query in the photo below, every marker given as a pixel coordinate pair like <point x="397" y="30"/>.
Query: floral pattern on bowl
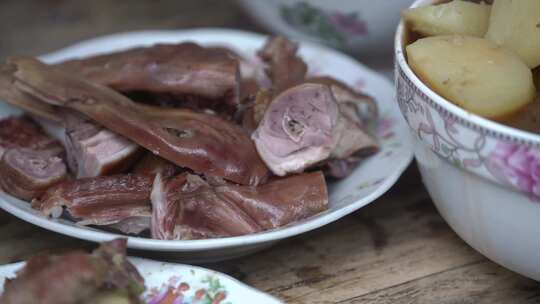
<point x="332" y="27"/>
<point x="510" y="161"/>
<point x="168" y="283"/>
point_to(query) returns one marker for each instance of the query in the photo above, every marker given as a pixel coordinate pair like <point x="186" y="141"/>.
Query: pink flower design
<point x="518" y="165"/>
<point x="348" y="23"/>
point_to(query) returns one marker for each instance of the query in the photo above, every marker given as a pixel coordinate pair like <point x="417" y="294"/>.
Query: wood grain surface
<point x="396" y="250"/>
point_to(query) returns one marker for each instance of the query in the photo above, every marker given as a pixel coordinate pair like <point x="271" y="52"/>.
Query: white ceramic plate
<point x="369" y="181"/>
<point x="189" y="282"/>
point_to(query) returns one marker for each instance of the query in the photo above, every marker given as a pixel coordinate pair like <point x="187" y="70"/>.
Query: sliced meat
<point x="298" y="129"/>
<point x="75" y="277"/>
<point x="340" y="168"/>
<point x="94" y="151"/>
<point x="23" y="132"/>
<point x="367" y="107"/>
<point x="121" y="274"/>
<point x="152" y="164"/>
<point x="353" y="133"/>
<point x="23" y="100"/>
<point x="181" y="69"/>
<point x="252" y="112"/>
<point x="30" y="161"/>
<point x="188" y="207"/>
<point x="281" y="201"/>
<point x="355" y="128"/>
<point x="103" y="200"/>
<point x="201" y="142"/>
<point x="295" y="135"/>
<point x="285" y="69"/>
<point x="27" y="174"/>
<point x="251" y="71"/>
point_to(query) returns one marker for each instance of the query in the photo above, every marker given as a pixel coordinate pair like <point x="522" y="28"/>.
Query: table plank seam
<point x="480" y="261"/>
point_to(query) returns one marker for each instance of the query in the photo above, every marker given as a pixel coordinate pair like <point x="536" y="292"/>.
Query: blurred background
<point x="363" y="28"/>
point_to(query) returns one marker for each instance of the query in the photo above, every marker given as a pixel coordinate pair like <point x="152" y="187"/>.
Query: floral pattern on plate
<point x="332" y="27"/>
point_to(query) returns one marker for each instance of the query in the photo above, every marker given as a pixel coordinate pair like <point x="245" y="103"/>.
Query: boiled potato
<point x="515" y="24"/>
<point x="456" y="17"/>
<point x="473" y="73"/>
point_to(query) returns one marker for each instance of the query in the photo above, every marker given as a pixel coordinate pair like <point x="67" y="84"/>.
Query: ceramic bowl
<point x="364" y="27"/>
<point x="484" y="177"/>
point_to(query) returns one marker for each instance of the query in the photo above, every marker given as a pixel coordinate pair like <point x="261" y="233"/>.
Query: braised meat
<point x="179" y="69"/>
<point x="199" y="141"/>
<point x="185" y="141"/>
<point x="23" y="132"/>
<point x="285" y="69"/>
<point x="77" y="278"/>
<point x="152" y="164"/>
<point x="30" y="161"/>
<point x="23" y="100"/>
<point x="315" y="122"/>
<point x="27" y="174"/>
<point x="93" y="150"/>
<point x="188" y="207"/>
<point x="297" y="130"/>
<point x="103" y="200"/>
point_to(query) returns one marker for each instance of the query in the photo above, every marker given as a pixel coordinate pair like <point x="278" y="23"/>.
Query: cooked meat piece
<point x="23" y="100"/>
<point x="184" y="102"/>
<point x="298" y="129"/>
<point x="121" y="273"/>
<point x="347" y="137"/>
<point x="281" y="201"/>
<point x="250" y="71"/>
<point x="340" y="168"/>
<point x="285" y="68"/>
<point x="367" y="107"/>
<point x="27" y="174"/>
<point x="353" y="134"/>
<point x="152" y="164"/>
<point x="103" y="200"/>
<point x="75" y="278"/>
<point x="249" y="88"/>
<point x="356" y="124"/>
<point x="30" y="161"/>
<point x="250" y="113"/>
<point x="201" y="142"/>
<point x="181" y="69"/>
<point x="187" y="207"/>
<point x="94" y="151"/>
<point x="246" y="118"/>
<point x="23" y="132"/>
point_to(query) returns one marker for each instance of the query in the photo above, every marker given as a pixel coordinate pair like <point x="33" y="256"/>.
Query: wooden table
<point x="396" y="250"/>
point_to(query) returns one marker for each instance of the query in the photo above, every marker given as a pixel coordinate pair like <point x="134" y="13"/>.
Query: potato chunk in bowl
<point x="473" y="73"/>
<point x="456" y="17"/>
<point x="515" y="24"/>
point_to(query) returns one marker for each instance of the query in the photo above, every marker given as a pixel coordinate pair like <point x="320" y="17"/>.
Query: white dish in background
<point x="160" y="276"/>
<point x="363" y="27"/>
<point x="371" y="178"/>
